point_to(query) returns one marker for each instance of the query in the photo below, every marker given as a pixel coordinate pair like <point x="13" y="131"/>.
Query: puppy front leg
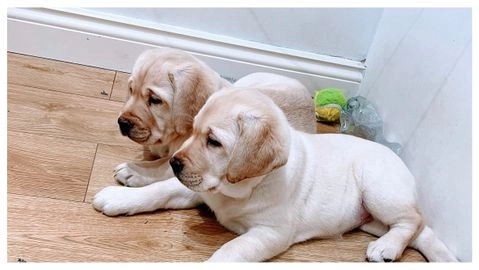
<point x="167" y="194"/>
<point x="142" y="173"/>
<point x="258" y="244"/>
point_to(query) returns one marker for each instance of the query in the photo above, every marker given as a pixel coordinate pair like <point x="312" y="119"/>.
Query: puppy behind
<point x="167" y="87"/>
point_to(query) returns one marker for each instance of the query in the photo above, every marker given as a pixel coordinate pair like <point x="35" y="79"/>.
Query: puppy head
<point x="238" y="135"/>
<point x="167" y="88"/>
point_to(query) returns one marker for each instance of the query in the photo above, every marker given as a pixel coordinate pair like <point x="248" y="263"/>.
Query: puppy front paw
<point x="116" y="200"/>
<point x="125" y="175"/>
<point x="383" y="251"/>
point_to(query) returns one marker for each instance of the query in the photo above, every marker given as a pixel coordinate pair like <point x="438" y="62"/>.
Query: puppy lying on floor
<point x="167" y="88"/>
<point x="275" y="186"/>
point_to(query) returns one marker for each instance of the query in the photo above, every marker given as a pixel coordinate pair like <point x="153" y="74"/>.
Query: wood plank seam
<point x="58" y="91"/>
<point x="44" y="197"/>
<point x="113" y="85"/>
<point x="91" y="171"/>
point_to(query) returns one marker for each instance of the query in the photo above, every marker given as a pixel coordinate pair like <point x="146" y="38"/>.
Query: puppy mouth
<point x="191" y="181"/>
<point x="140" y="136"/>
<point x="134" y="128"/>
<point x="145" y="140"/>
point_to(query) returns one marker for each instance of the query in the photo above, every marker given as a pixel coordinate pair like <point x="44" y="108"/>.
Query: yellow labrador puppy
<point x="167" y="88"/>
<point x="276" y="186"/>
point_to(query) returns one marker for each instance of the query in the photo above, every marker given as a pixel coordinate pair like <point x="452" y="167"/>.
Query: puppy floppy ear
<point x="261" y="147"/>
<point x="191" y="90"/>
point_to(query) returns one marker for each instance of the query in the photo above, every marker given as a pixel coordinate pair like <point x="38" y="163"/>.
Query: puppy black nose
<point x="176" y="165"/>
<point x="125" y="125"/>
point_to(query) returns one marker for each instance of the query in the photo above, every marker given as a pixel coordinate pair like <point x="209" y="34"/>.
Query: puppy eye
<point x="212" y="142"/>
<point x="155" y="100"/>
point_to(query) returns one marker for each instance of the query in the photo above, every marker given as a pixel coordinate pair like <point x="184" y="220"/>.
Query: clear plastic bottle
<point x="360" y="118"/>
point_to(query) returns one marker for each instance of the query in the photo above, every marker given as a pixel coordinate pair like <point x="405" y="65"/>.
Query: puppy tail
<point x="431" y="247"/>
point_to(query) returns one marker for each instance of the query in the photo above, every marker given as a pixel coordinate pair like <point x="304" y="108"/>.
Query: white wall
<point x="419" y="77"/>
<point x="342" y="32"/>
<point x="72" y="34"/>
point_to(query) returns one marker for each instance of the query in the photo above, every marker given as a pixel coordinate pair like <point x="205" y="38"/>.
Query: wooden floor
<point x="63" y="143"/>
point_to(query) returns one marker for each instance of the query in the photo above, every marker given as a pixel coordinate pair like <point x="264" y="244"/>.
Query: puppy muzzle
<point x="134" y="129"/>
<point x="190" y="180"/>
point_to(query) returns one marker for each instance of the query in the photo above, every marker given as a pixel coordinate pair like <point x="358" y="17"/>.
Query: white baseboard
<point x="89" y="38"/>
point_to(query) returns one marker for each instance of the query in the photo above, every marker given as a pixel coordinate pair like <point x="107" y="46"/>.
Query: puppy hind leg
<point x="402" y="230"/>
<point x="426" y="242"/>
<point x="388" y="195"/>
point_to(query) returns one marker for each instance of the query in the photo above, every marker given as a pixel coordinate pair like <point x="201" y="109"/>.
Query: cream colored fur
<point x="275" y="186"/>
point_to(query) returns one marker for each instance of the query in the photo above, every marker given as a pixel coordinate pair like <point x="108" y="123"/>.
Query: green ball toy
<point x="328" y="103"/>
